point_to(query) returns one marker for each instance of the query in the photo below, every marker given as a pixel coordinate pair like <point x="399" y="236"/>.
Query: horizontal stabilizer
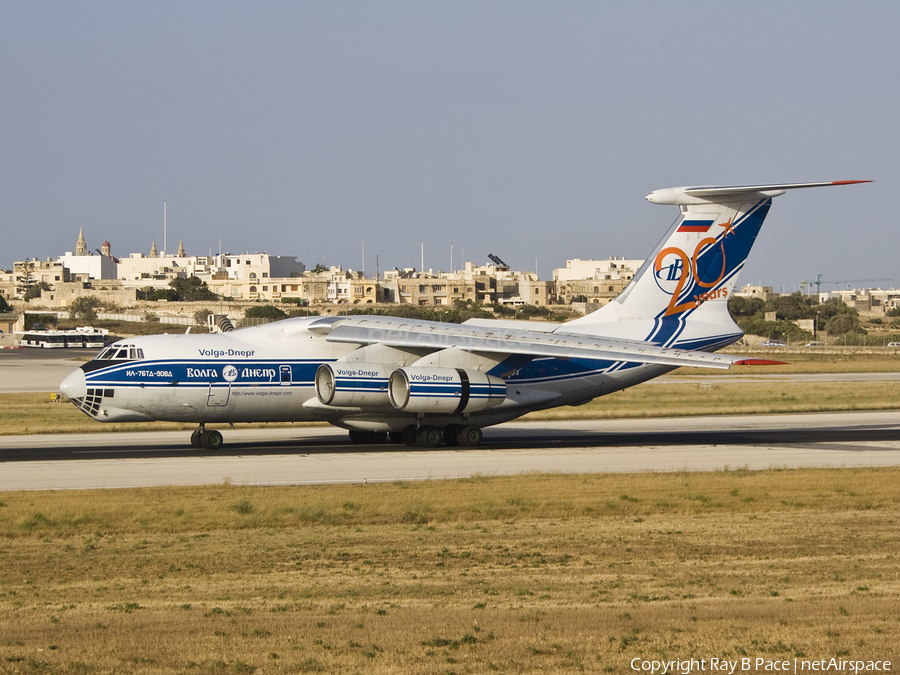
<point x="685" y="196"/>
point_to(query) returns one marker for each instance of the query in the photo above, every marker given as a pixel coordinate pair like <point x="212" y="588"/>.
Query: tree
<point x="24" y="276"/>
<point x="39" y="321"/>
<point x="741" y="306"/>
<point x="842" y="323"/>
<point x="190" y="289"/>
<point x="167" y="294"/>
<point x="265" y="312"/>
<point x="319" y="268"/>
<point x="4" y="305"/>
<point x="34" y="291"/>
<point x="84" y="308"/>
<point x="201" y="316"/>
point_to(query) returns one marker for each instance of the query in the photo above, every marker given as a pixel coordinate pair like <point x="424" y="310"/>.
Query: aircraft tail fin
<point x="679" y="296"/>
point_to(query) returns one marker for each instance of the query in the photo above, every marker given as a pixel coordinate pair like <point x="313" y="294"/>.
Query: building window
<point x="253" y="289"/>
<point x="265" y="275"/>
<point x="252" y="275"/>
<point x="265" y="288"/>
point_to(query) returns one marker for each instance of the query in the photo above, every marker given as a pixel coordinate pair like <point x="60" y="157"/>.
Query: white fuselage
<point x="267" y="374"/>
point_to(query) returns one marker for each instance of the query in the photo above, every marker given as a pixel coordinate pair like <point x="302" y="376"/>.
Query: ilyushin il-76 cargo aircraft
<point x="424" y="382"/>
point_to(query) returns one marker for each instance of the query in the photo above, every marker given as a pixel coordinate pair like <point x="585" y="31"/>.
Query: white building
<point x="597" y="270"/>
<point x="84" y="265"/>
<point x="256" y="266"/>
<point x="139" y="270"/>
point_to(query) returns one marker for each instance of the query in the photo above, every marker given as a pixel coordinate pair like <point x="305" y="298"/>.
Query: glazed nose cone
<point x="74" y="386"/>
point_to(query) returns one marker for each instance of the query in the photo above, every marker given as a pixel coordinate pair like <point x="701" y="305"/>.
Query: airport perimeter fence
<point x="171" y="319"/>
<point x="105" y="316"/>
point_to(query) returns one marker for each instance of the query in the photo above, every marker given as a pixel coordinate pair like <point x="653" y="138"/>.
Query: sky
<point x="527" y="130"/>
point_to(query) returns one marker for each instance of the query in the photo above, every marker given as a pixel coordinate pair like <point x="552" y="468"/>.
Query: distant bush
<point x="265" y="312"/>
<point x="201" y="316"/>
<point x="84" y="308"/>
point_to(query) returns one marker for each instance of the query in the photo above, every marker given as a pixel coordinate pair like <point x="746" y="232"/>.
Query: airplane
<point x="424" y="383"/>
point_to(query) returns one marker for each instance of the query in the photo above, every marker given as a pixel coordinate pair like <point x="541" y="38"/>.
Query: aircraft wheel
<point x="396" y="436"/>
<point x="409" y="435"/>
<point x="378" y="436"/>
<point x="429" y="437"/>
<point x="212" y="440"/>
<point x="451" y="434"/>
<point x="469" y="436"/>
<point x="195" y="439"/>
<point x="357" y="436"/>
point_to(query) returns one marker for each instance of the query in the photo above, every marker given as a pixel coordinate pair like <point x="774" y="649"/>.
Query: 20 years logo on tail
<point x="676" y="273"/>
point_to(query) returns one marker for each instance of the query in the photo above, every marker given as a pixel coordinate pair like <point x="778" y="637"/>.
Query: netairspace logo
<point x="759" y="665"/>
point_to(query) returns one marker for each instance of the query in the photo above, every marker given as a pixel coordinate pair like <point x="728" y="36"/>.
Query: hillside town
<point x="138" y="286"/>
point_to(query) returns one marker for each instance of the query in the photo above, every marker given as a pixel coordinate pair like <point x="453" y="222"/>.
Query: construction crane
<point x="819" y="281"/>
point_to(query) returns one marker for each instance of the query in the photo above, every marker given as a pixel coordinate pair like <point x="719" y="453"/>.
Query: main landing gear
<point x="426" y="436"/>
<point x="206" y="438"/>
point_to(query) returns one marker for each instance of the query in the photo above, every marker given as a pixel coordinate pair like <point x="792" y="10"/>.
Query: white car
<point x="893" y="344"/>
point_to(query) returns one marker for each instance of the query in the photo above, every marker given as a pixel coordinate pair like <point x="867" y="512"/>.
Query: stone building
<point x="595" y="282"/>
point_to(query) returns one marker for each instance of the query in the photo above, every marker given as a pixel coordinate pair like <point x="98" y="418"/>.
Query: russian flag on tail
<point x="695" y="226"/>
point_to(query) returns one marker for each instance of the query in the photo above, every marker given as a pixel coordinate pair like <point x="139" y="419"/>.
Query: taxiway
<point x="308" y="455"/>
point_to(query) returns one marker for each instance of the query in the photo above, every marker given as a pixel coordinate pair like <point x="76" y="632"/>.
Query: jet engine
<point x="358" y="385"/>
<point x="444" y="390"/>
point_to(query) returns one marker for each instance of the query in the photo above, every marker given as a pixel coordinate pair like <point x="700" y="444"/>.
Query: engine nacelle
<point x="444" y="390"/>
<point x="353" y="385"/>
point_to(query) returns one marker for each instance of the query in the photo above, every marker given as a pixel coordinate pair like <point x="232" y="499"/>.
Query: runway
<point x="321" y="455"/>
<point x="38" y="370"/>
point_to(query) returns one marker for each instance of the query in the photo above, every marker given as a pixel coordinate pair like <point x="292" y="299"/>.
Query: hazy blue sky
<point x="524" y="129"/>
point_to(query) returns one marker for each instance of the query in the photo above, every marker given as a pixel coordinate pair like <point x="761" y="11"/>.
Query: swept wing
<point x="435" y="336"/>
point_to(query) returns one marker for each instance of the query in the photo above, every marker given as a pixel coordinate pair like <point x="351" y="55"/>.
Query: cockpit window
<point x="121" y="353"/>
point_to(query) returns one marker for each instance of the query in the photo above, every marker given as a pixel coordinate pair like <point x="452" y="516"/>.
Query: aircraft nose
<point x="74" y="386"/>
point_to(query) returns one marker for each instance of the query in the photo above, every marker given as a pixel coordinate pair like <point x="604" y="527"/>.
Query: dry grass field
<point x="526" y="574"/>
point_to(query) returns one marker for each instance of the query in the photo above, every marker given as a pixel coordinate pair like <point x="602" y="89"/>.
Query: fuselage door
<point x="219" y="395"/>
<point x="285" y="375"/>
